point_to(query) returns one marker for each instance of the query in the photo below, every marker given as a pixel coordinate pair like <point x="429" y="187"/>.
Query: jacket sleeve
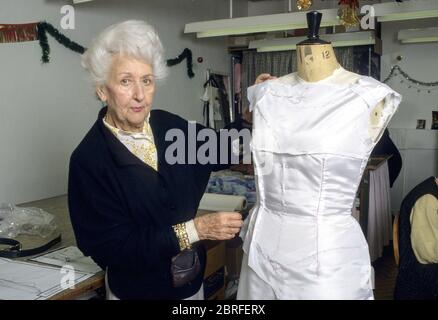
<point x="106" y="232"/>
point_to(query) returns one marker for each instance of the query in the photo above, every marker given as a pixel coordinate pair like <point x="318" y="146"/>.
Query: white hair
<point x="134" y="38"/>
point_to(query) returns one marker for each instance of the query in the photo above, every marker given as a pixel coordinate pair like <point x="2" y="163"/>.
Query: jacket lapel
<point x="159" y="130"/>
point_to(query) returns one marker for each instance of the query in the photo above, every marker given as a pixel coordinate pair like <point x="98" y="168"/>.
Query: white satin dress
<point x="310" y="146"/>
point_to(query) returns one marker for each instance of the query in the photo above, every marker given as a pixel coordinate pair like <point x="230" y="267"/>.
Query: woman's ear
<point x="101" y="93"/>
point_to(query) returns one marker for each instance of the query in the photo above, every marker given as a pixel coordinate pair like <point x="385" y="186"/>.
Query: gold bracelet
<point x="183" y="237"/>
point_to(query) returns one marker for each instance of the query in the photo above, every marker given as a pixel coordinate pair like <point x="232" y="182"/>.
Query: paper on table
<point x="71" y="256"/>
<point x="222" y="202"/>
<point x="29" y="281"/>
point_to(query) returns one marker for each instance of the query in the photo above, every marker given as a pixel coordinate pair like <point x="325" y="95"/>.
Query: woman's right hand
<point x="264" y="77"/>
<point x="218" y="225"/>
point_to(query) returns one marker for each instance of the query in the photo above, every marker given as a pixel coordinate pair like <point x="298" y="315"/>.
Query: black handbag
<point x="185" y="267"/>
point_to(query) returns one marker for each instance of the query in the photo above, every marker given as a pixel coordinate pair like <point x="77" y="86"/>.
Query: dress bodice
<point x="311" y="141"/>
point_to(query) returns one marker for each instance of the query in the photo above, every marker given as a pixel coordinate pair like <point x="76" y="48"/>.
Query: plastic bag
<point x="29" y="221"/>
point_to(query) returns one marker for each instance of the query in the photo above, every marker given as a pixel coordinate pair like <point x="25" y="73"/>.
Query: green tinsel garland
<point x="186" y="54"/>
<point x="44" y="28"/>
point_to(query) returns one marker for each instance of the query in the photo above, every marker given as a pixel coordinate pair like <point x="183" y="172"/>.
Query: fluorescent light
<point x="346" y="39"/>
<point x="254" y="24"/>
<point x="407" y="10"/>
<point x="388" y="11"/>
<point x="418" y="35"/>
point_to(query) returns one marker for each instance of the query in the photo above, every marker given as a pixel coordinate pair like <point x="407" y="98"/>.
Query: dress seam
<point x="317" y="216"/>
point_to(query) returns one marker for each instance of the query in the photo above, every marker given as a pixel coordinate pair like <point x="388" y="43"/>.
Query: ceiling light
<point x="407" y="10"/>
<point x="418" y="35"/>
<point x="347" y="39"/>
<point x="255" y="24"/>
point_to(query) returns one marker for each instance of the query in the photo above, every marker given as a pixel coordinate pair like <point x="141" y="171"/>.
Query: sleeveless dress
<point x="310" y="147"/>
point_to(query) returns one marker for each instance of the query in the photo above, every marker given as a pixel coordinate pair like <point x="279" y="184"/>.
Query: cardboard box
<point x="219" y="295"/>
<point x="215" y="256"/>
<point x="214" y="276"/>
<point x="214" y="285"/>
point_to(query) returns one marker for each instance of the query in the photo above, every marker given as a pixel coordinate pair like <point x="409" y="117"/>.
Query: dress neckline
<point x="329" y="80"/>
<point x="322" y="81"/>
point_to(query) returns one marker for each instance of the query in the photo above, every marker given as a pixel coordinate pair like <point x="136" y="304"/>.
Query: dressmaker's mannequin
<point x="316" y="58"/>
<point x="316" y="61"/>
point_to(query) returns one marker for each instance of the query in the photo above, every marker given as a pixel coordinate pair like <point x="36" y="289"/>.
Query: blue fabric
<point x="233" y="185"/>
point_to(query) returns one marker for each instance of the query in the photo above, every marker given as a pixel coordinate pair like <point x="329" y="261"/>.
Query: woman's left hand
<point x="218" y="225"/>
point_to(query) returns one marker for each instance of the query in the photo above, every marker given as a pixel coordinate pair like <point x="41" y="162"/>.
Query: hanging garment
<point x="310" y="146"/>
<point x="387" y="147"/>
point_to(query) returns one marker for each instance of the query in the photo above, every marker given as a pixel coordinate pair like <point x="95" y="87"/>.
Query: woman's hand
<point x="264" y="77"/>
<point x="218" y="225"/>
<point x="261" y="78"/>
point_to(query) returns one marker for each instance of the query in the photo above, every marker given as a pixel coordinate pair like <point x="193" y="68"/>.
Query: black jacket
<point x="415" y="281"/>
<point x="122" y="210"/>
<point x="386" y="146"/>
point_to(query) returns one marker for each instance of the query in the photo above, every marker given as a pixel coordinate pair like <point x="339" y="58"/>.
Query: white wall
<point x="266" y="7"/>
<point x="45" y="110"/>
<point x="240" y="8"/>
<point x="419" y="148"/>
<point x="420" y="61"/>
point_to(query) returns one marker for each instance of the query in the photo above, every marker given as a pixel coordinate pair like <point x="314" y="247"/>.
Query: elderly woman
<point x="132" y="211"/>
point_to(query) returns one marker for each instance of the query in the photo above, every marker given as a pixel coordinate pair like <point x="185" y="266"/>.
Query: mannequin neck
<point x="316" y="62"/>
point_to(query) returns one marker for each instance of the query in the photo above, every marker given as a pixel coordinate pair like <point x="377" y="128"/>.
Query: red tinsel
<point x="350" y="3"/>
<point x="18" y="32"/>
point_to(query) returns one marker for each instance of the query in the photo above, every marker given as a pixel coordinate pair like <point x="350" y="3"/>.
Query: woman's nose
<point x="138" y="93"/>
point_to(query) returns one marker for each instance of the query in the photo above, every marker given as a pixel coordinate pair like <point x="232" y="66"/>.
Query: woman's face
<point x="129" y="93"/>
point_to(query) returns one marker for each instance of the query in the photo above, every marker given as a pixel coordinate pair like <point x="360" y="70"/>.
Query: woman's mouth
<point x="137" y="109"/>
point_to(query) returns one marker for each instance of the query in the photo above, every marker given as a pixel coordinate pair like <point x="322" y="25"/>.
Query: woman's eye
<point x="147" y="81"/>
<point x="125" y="82"/>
